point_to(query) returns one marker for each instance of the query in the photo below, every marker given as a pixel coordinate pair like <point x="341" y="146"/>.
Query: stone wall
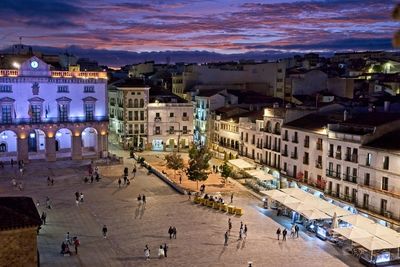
<point x="19" y="247"/>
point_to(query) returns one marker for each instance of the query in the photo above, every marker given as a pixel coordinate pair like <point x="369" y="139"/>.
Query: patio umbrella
<point x="331" y="210"/>
<point x="315" y="215"/>
<point x="352" y="232"/>
<point x="357" y="220"/>
<point x="273" y="193"/>
<point x="287" y="200"/>
<point x="299" y="207"/>
<point x="373" y="243"/>
<point x="379" y="230"/>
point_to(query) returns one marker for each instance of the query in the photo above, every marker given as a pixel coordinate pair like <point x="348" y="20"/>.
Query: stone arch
<point x="269" y="127"/>
<point x="89" y="138"/>
<point x="63" y="142"/>
<point x="8" y="142"/>
<point x="130" y="105"/>
<point x="36" y="144"/>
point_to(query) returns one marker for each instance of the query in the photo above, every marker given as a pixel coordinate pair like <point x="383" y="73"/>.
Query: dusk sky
<point x="223" y="26"/>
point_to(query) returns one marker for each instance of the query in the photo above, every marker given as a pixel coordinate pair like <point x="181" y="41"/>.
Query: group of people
<point x="162" y="251"/>
<point x="242" y="231"/>
<point x="67" y="242"/>
<point x="78" y="198"/>
<point x="214" y="198"/>
<point x="172" y="232"/>
<point x="294" y="231"/>
<point x="216" y="168"/>
<point x="50" y="181"/>
<point x="17" y="185"/>
<point x="141" y="199"/>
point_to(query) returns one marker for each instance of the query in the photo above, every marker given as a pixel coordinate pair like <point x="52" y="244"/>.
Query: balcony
<point x="157" y="119"/>
<point x="22" y="121"/>
<point x="120" y="105"/>
<point x="284" y="153"/>
<point x="285" y="138"/>
<point x="111" y="116"/>
<point x="185" y="118"/>
<point x="350" y="178"/>
<point x="318" y="164"/>
<point x="305" y="160"/>
<point x="330" y="153"/>
<point x="295" y="140"/>
<point x="319" y="146"/>
<point x="338" y="155"/>
<point x="332" y="174"/>
<point x="112" y="103"/>
<point x="293" y="155"/>
<point x="306" y="143"/>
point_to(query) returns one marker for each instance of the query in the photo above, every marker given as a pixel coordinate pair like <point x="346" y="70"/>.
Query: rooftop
<point x="18" y="212"/>
<point x="390" y="142"/>
<point x="130" y="83"/>
<point x="313" y="122"/>
<point x="164" y="96"/>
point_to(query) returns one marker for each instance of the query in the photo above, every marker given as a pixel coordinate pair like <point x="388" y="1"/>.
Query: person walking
<point x="48" y="203"/>
<point x="76" y="244"/>
<point x="245" y="231"/>
<point x="240" y="233"/>
<point x="278" y="232"/>
<point x="52" y="181"/>
<point x="81" y="197"/>
<point x="284" y="233"/>
<point x="226" y="236"/>
<point x="48" y="181"/>
<point x="43" y="217"/>
<point x="119" y="182"/>
<point x="139" y="199"/>
<point x="161" y="252"/>
<point x="180" y="178"/>
<point x="189" y="195"/>
<point x="105" y="231"/>
<point x="229" y="226"/>
<point x="174" y="232"/>
<point x="292" y="231"/>
<point x="241" y="225"/>
<point x="232" y="198"/>
<point x="144" y="199"/>
<point x="77" y="195"/>
<point x="91" y="179"/>
<point x="170" y="232"/>
<point x="67" y="238"/>
<point x="147" y="252"/>
<point x="125" y="179"/>
<point x="165" y="249"/>
<point x="296" y="229"/>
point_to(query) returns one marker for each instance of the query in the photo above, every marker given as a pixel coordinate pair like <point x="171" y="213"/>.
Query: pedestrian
<point x="119" y="182"/>
<point x="180" y="178"/>
<point x="161" y="252"/>
<point x="189" y="195"/>
<point x="278" y="232"/>
<point x="292" y="231"/>
<point x="97" y="178"/>
<point x="43" y="217"/>
<point x="174" y="232"/>
<point x="76" y="244"/>
<point x="240" y="233"/>
<point x="229" y="225"/>
<point x="128" y="182"/>
<point x="48" y="181"/>
<point x="91" y="179"/>
<point x="226" y="238"/>
<point x="125" y="178"/>
<point x="126" y="171"/>
<point x="296" y="229"/>
<point x="165" y="249"/>
<point x="67" y="238"/>
<point x="284" y="233"/>
<point x="77" y="195"/>
<point x="146" y="252"/>
<point x="139" y="199"/>
<point x="134" y="171"/>
<point x="48" y="203"/>
<point x="12" y="163"/>
<point x="245" y="231"/>
<point x="105" y="231"/>
<point x="52" y="181"/>
<point x="81" y="197"/>
<point x="241" y="225"/>
<point x="144" y="199"/>
<point x="232" y="198"/>
<point x="170" y="232"/>
<point x="37" y="203"/>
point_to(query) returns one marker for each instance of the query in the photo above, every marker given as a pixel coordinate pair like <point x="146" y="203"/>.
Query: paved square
<point x="200" y="230"/>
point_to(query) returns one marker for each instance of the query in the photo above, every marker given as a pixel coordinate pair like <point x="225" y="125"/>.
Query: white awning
<point x="352" y="232"/>
<point x="315" y="215"/>
<point x="261" y="175"/>
<point x="286" y="199"/>
<point x="241" y="164"/>
<point x="357" y="220"/>
<point x="273" y="193"/>
<point x="332" y="209"/>
<point x="299" y="194"/>
<point x="373" y="243"/>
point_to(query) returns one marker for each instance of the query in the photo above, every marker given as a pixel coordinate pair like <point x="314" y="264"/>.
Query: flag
<point x="30" y="111"/>
<point x="46" y="112"/>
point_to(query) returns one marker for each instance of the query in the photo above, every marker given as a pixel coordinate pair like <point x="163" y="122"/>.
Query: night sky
<point x="222" y="26"/>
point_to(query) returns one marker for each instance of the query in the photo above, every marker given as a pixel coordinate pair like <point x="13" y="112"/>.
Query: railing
<point x="79" y="74"/>
<point x="319" y="146"/>
<point x="285" y="138"/>
<point x="351" y="158"/>
<point x="55" y="120"/>
<point x="295" y="140"/>
<point x="350" y="178"/>
<point x="338" y="155"/>
<point x="157" y="119"/>
<point x="332" y="174"/>
<point x="330" y="153"/>
<point x="284" y="153"/>
<point x="306" y="144"/>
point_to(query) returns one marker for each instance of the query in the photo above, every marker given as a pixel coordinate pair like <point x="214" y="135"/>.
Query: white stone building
<point x="49" y="114"/>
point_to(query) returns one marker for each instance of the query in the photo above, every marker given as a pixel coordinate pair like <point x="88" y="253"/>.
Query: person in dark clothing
<point x="284" y="233"/>
<point x="278" y="232"/>
<point x="119" y="182"/>
<point x="144" y="199"/>
<point x="296" y="229"/>
<point x="91" y="179"/>
<point x="174" y="232"/>
<point x="170" y="232"/>
<point x="165" y="249"/>
<point x="43" y="217"/>
<point x="105" y="231"/>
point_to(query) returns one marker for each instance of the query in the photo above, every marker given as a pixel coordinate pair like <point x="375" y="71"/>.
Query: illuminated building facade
<point x="46" y="114"/>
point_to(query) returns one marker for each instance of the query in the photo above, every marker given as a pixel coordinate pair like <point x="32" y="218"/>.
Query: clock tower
<point x="35" y="67"/>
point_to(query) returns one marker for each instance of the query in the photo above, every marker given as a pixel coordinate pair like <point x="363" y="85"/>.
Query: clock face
<point x="34" y="64"/>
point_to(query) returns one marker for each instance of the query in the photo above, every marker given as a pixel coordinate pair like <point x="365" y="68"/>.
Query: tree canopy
<point x="198" y="164"/>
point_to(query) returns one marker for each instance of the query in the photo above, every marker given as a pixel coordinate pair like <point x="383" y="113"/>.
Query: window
<point x="89" y="111"/>
<point x="5" y="88"/>
<point x="306" y="141"/>
<point x="141" y="103"/>
<point x="88" y="89"/>
<point x="383" y="206"/>
<point x="136" y="115"/>
<point x="139" y="93"/>
<point x="62" y="89"/>
<point x="171" y="129"/>
<point x="184" y="129"/>
<point x="135" y="103"/>
<point x="130" y="115"/>
<point x="369" y="159"/>
<point x="157" y="115"/>
<point x="366" y="179"/>
<point x="133" y="93"/>
<point x="171" y="114"/>
<point x="184" y="114"/>
<point x="6" y="116"/>
<point x="386" y="163"/>
<point x="365" y="201"/>
<point x="385" y="183"/>
<point x="35" y="111"/>
<point x="158" y="131"/>
<point x="63" y="112"/>
<point x="142" y="128"/>
<point x="142" y="115"/>
<point x="130" y="105"/>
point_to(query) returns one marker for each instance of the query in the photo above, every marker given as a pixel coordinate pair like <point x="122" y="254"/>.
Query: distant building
<point x="48" y="114"/>
<point x="19" y="223"/>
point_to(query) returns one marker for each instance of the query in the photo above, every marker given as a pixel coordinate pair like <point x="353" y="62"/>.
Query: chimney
<point x="345" y="115"/>
<point x="386" y="106"/>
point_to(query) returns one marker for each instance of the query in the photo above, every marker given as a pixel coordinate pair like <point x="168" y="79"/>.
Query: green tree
<point x="226" y="171"/>
<point x="198" y="164"/>
<point x="174" y="162"/>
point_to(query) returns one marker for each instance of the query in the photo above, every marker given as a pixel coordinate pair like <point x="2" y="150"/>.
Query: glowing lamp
<point x="32" y="135"/>
<point x="58" y="134"/>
